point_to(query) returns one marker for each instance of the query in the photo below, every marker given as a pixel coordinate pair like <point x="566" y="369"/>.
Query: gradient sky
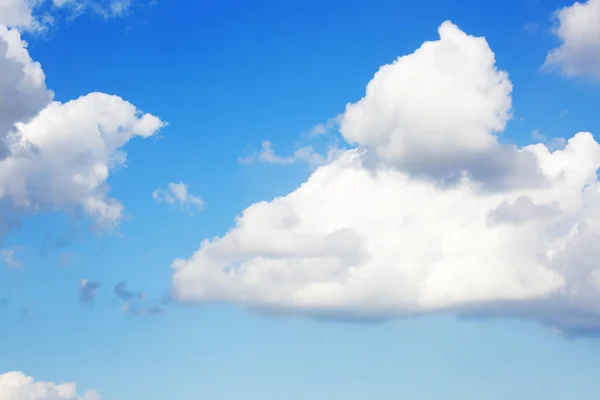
<point x="96" y="305"/>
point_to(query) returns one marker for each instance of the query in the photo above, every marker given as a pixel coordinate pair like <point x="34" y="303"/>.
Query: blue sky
<point x="221" y="78"/>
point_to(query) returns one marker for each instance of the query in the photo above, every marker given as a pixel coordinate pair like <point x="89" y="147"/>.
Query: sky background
<point x="227" y="76"/>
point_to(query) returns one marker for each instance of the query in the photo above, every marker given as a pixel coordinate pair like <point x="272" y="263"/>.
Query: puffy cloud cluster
<point x="578" y="28"/>
<point x="428" y="213"/>
<point x="22" y="85"/>
<point x="17" y="13"/>
<point x="440" y="105"/>
<point x="436" y="114"/>
<point x="18" y="386"/>
<point x="58" y="156"/>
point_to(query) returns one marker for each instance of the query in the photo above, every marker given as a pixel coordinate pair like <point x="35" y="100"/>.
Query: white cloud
<point x="22" y="84"/>
<point x="25" y="15"/>
<point x="578" y="29"/>
<point x="63" y="157"/>
<point x="326" y="127"/>
<point x="380" y="231"/>
<point x="267" y="155"/>
<point x="104" y="8"/>
<point x="177" y="193"/>
<point x="305" y="154"/>
<point x="18" y="386"/>
<point x="436" y="113"/>
<point x="8" y="258"/>
<point x="16" y="13"/>
<point x="537" y="135"/>
<point x="555" y="143"/>
<point x="36" y="15"/>
<point x="58" y="156"/>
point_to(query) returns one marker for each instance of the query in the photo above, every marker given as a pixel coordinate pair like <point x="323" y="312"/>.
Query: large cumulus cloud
<point x="18" y="386"/>
<point x="19" y="13"/>
<point x="428" y="213"/>
<point x="578" y="29"/>
<point x="58" y="156"/>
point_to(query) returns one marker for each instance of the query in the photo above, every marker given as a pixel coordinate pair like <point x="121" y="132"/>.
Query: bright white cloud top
<point x="18" y="386"/>
<point x="428" y="213"/>
<point x="578" y="28"/>
<point x="58" y="156"/>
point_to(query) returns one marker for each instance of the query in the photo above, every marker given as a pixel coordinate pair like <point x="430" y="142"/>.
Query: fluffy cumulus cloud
<point x="58" y="156"/>
<point x="18" y="386"/>
<point x="578" y="29"/>
<point x="22" y="85"/>
<point x="436" y="114"/>
<point x="428" y="213"/>
<point x="17" y="13"/>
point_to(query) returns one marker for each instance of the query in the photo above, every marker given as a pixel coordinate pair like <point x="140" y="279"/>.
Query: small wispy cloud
<point x="8" y="258"/>
<point x="327" y="126"/>
<point x="532" y="27"/>
<point x="555" y="143"/>
<point x="65" y="258"/>
<point x="178" y="194"/>
<point x="105" y="8"/>
<point x="40" y="17"/>
<point x="267" y="155"/>
<point x="153" y="309"/>
<point x="127" y="295"/>
<point x="536" y="134"/>
<point x="88" y="290"/>
<point x="136" y="303"/>
<point x="304" y="154"/>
